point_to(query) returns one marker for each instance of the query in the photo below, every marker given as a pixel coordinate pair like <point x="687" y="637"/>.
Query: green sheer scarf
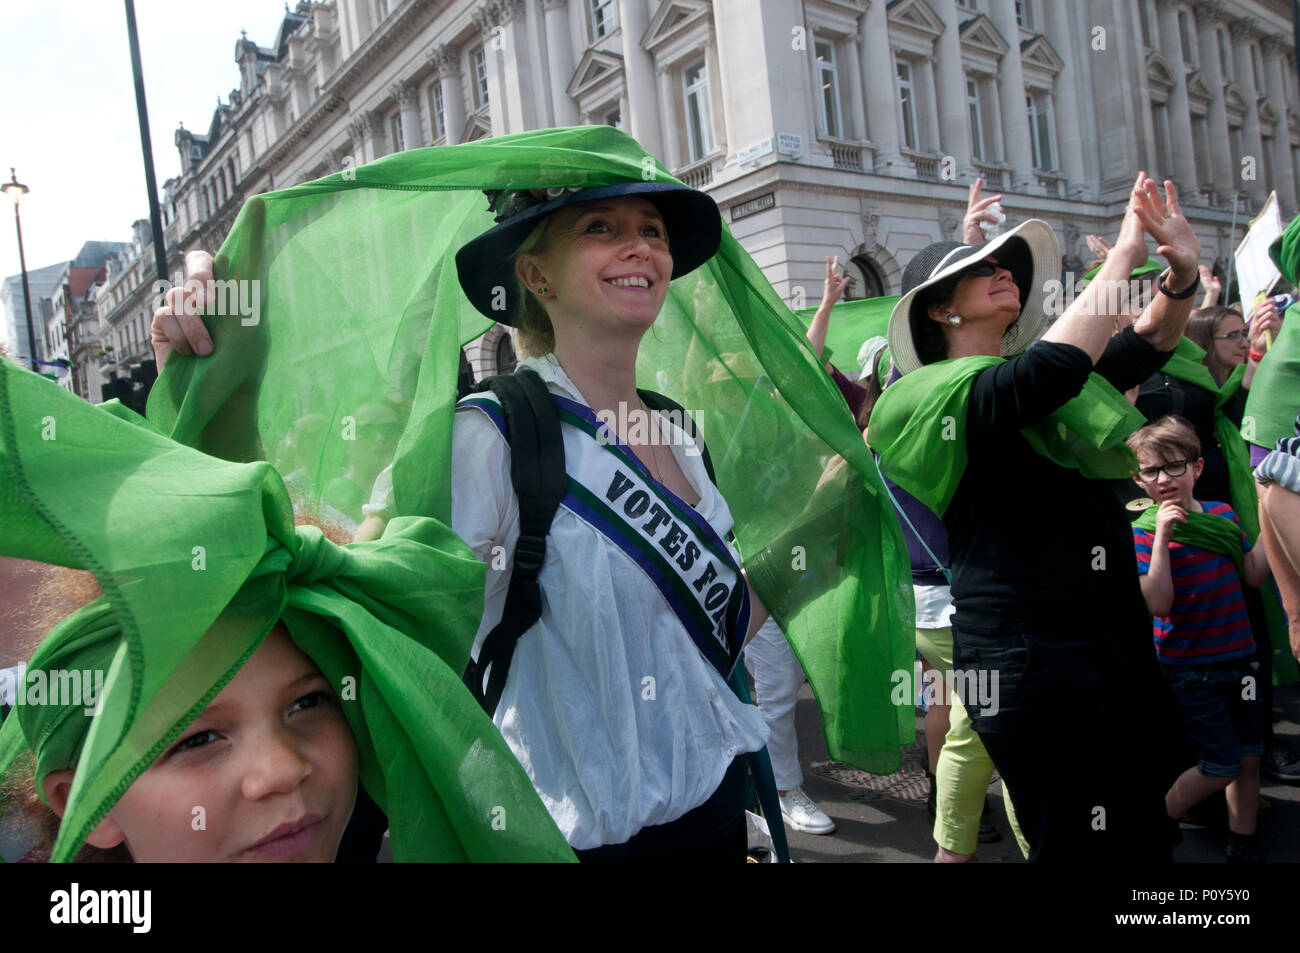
<point x="919" y="429"/>
<point x="362" y="319"/>
<point x="198" y="558"/>
<point x="1207" y="531"/>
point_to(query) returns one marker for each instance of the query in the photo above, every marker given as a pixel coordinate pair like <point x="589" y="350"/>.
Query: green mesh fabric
<point x="198" y="557"/>
<point x="918" y="427"/>
<point x="851" y="323"/>
<point x="353" y="362"/>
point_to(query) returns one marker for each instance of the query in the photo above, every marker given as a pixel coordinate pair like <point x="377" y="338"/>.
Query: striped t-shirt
<point x="1208" y="621"/>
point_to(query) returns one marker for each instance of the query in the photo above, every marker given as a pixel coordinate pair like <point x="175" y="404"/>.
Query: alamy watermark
<point x="639" y="427"/>
<point x="232" y="297"/>
<point x="977" y="688"/>
<point x="64" y="687"/>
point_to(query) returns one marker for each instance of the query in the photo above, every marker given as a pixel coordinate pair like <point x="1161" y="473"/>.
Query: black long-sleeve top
<point x="1036" y="545"/>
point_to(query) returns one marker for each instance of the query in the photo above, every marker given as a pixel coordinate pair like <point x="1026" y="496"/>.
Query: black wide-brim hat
<point x="1030" y="251"/>
<point x="485" y="264"/>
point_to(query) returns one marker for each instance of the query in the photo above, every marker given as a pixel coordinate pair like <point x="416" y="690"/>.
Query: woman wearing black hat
<point x="1050" y="628"/>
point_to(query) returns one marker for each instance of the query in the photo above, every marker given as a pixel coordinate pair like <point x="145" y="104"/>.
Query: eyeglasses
<point x="1239" y="336"/>
<point x="1175" y="468"/>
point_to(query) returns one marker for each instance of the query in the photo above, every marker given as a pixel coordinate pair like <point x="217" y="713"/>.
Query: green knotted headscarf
<point x="198" y="558"/>
<point x="351" y="364"/>
<point x="919" y="429"/>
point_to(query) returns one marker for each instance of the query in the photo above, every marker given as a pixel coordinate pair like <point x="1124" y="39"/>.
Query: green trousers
<point x="964" y="770"/>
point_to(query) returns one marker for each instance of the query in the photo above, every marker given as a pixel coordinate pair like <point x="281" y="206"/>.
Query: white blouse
<point x="613" y="712"/>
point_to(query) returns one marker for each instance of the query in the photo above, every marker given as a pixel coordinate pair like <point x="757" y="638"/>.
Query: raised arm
<point x="176" y="325"/>
<point x="832" y="290"/>
<point x="1165" y="318"/>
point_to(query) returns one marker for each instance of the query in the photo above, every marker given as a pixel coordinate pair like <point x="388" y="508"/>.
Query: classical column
<point x="1179" y="112"/>
<point x="539" y="79"/>
<point x="881" y="79"/>
<point x="1011" y="95"/>
<point x="717" y="108"/>
<point x="672" y="157"/>
<point x="1283" y="171"/>
<point x="408" y="105"/>
<point x="1070" y="128"/>
<point x="1208" y="15"/>
<point x="855" y="128"/>
<point x="1242" y="31"/>
<point x="485" y="19"/>
<point x="515" y="65"/>
<point x="950" y="89"/>
<point x="559" y="47"/>
<point x="447" y="60"/>
<point x="638" y="76"/>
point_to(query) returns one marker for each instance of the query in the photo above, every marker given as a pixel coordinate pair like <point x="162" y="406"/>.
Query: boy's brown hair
<point x="1170" y="437"/>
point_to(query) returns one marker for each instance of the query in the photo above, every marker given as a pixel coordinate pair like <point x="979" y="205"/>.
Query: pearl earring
<point x="954" y="320"/>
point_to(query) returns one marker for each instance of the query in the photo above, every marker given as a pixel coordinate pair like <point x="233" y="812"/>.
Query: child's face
<point x="268" y="772"/>
<point x="1164" y="487"/>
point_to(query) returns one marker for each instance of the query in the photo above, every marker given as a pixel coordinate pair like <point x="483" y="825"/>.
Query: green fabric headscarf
<point x="361" y="309"/>
<point x="919" y="429"/>
<point x="1152" y="266"/>
<point x="198" y="558"/>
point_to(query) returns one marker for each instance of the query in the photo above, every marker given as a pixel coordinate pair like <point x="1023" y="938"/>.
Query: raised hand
<point x="1213" y="287"/>
<point x="978" y="211"/>
<point x="833" y="287"/>
<point x="1130" y="248"/>
<point x="1264" y="325"/>
<point x="1099" y="247"/>
<point x="1162" y="218"/>
<point x="176" y="325"/>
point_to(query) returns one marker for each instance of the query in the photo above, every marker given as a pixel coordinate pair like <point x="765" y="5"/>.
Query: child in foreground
<point x="1193" y="558"/>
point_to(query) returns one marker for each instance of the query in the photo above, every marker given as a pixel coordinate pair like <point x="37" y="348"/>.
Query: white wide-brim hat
<point x="1029" y="250"/>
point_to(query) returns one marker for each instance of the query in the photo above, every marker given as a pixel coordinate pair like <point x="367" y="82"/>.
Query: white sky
<point x="68" y="117"/>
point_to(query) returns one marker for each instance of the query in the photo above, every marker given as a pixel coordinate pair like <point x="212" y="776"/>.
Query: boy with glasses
<point x="1193" y="557"/>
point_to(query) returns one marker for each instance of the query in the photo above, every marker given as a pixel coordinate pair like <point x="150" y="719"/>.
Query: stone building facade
<point x="822" y="127"/>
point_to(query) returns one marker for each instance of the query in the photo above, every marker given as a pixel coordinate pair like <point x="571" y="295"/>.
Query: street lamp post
<point x="16" y="190"/>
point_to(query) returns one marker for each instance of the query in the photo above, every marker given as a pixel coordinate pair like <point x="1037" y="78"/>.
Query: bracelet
<point x="1256" y="356"/>
<point x="1180" y="295"/>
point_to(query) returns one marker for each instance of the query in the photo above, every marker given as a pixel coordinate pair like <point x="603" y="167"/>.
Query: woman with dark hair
<point x="1013" y="450"/>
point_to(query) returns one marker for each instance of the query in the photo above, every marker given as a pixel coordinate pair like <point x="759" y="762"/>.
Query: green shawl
<point x="1208" y="531"/>
<point x="198" y="558"/>
<point x="919" y="429"/>
<point x="352" y="364"/>
<point x="851" y="323"/>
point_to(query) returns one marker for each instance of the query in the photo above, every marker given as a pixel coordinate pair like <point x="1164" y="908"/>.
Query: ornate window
<point x="976" y="119"/>
<point x="829" y="95"/>
<point x="602" y="18"/>
<point x="907" y="104"/>
<point x="1042" y="133"/>
<point x="695" y="88"/>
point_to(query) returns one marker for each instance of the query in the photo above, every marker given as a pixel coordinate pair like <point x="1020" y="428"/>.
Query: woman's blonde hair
<point x="536" y="335"/>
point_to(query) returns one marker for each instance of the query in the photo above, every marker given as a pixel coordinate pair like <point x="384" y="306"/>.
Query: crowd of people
<point x="532" y="653"/>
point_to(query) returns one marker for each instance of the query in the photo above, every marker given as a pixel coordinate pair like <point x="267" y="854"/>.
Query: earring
<point x="543" y="290"/>
<point x="954" y="320"/>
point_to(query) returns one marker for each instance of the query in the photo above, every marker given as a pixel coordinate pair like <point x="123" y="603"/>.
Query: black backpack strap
<point x="538" y="477"/>
<point x="658" y="402"/>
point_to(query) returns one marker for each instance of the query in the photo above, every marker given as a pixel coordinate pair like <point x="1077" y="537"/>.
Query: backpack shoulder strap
<point x="538" y="476"/>
<point x="658" y="402"/>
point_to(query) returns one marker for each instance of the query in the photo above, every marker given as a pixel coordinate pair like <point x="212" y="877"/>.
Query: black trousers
<point x="1069" y="736"/>
<point x="714" y="832"/>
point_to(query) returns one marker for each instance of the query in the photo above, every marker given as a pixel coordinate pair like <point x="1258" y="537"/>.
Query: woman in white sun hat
<point x="1009" y="441"/>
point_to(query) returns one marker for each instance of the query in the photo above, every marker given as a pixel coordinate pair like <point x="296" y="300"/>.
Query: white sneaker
<point x="801" y="813"/>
